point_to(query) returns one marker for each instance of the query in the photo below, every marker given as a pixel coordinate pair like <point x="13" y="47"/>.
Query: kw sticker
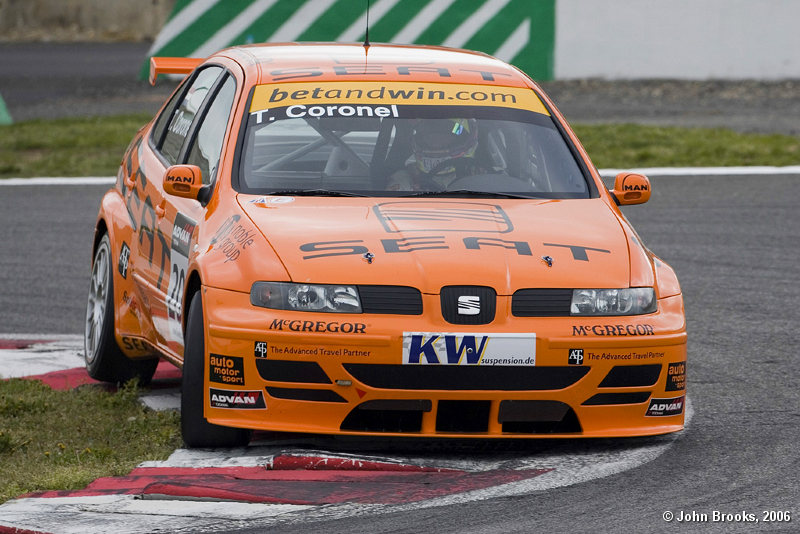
<point x="469" y="349"/>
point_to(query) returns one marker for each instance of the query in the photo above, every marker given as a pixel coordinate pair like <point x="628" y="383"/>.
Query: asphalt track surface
<point x="733" y="242"/>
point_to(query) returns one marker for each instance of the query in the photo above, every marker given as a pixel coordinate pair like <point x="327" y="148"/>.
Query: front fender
<point x="231" y="253"/>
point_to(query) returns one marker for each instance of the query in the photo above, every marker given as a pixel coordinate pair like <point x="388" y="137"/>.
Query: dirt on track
<point x="50" y="80"/>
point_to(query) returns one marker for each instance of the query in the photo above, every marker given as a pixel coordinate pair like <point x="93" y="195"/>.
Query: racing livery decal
<point x="231" y="398"/>
<point x="316" y="351"/>
<point x="182" y="232"/>
<point x="301" y="97"/>
<point x="614" y="330"/>
<point x="469" y="349"/>
<point x="137" y="346"/>
<point x="575" y="357"/>
<point x="232" y="238"/>
<point x="260" y="349"/>
<point x="665" y="407"/>
<point x="226" y="370"/>
<point x="626" y="355"/>
<point x="124" y="260"/>
<point x="676" y="376"/>
<point x="296" y="325"/>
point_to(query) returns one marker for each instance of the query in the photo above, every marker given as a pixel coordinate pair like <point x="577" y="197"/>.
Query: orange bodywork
<point x="349" y="373"/>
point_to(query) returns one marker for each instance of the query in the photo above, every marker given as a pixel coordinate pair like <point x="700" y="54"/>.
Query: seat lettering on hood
<point x="326" y="249"/>
<point x="428" y="243"/>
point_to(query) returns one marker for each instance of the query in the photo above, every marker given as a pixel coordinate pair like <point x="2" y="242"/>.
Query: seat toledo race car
<point x="380" y="240"/>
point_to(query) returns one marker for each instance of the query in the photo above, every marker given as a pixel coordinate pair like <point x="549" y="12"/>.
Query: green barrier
<point x="521" y="32"/>
<point x="5" y="116"/>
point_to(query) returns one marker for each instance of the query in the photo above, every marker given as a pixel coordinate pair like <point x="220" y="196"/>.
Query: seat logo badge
<point x="469" y="305"/>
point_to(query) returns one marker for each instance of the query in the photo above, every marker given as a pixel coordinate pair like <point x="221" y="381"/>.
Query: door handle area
<point x="161" y="209"/>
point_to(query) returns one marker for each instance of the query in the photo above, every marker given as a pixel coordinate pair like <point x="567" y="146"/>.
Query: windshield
<point x="407" y="139"/>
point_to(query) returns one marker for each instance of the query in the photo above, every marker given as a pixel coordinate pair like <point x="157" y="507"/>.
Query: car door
<point x="203" y="148"/>
<point x="157" y="254"/>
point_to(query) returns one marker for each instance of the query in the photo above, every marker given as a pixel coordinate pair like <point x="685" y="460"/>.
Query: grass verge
<point x="633" y="145"/>
<point x="94" y="146"/>
<point x="61" y="440"/>
<point x="67" y="147"/>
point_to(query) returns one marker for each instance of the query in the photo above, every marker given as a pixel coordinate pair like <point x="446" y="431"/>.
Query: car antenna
<point x="366" y="35"/>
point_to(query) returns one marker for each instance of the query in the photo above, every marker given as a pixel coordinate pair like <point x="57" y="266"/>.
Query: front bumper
<point x="344" y="374"/>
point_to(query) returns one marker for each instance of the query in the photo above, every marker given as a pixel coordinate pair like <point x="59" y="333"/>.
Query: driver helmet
<point x="438" y="140"/>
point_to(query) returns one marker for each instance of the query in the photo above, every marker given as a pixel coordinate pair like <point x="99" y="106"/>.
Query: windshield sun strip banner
<point x="301" y="96"/>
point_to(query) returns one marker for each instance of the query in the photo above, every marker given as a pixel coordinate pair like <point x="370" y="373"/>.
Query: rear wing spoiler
<point x="172" y="65"/>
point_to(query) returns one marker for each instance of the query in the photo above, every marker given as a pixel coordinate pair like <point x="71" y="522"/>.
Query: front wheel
<point x="196" y="431"/>
<point x="104" y="360"/>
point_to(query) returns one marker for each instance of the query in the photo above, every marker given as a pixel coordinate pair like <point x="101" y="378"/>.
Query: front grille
<point x="468" y="304"/>
<point x="628" y="376"/>
<point x="291" y="371"/>
<point x="605" y="399"/>
<point x="398" y="300"/>
<point x="541" y="303"/>
<point x="460" y="378"/>
<point x="462" y="416"/>
<point x="538" y="417"/>
<point x="312" y="395"/>
<point x="387" y="415"/>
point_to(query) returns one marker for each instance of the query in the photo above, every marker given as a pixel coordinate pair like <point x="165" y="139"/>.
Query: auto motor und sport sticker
<point x="226" y="370"/>
<point x="676" y="376"/>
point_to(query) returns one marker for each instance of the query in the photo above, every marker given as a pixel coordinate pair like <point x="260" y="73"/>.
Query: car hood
<point x="431" y="243"/>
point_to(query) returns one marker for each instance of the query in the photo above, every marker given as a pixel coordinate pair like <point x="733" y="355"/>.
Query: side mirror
<point x="184" y="181"/>
<point x="631" y="188"/>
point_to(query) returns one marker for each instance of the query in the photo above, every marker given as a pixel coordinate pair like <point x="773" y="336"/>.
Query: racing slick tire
<point x="196" y="431"/>
<point x="103" y="357"/>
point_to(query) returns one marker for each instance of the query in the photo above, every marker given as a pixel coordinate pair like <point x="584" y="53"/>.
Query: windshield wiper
<point x="316" y="193"/>
<point x="468" y="193"/>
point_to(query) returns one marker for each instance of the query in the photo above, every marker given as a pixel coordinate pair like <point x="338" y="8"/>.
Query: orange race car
<point x="380" y="240"/>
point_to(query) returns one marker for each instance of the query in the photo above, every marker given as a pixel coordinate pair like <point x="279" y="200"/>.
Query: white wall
<point x="684" y="39"/>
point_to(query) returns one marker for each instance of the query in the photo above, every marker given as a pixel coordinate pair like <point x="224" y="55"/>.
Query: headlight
<point x="631" y="301"/>
<point x="305" y="297"/>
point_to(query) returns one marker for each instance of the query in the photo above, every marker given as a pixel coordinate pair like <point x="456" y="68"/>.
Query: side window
<point x="163" y="119"/>
<point x="181" y="120"/>
<point x="206" y="149"/>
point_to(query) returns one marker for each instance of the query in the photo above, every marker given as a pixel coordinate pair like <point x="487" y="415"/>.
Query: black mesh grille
<point x="537" y="417"/>
<point x="462" y="416"/>
<point x="541" y="302"/>
<point x="468" y="304"/>
<point x="603" y="399"/>
<point x="626" y="376"/>
<point x="387" y="416"/>
<point x="313" y="395"/>
<point x="459" y="378"/>
<point x="291" y="371"/>
<point x="399" y="300"/>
